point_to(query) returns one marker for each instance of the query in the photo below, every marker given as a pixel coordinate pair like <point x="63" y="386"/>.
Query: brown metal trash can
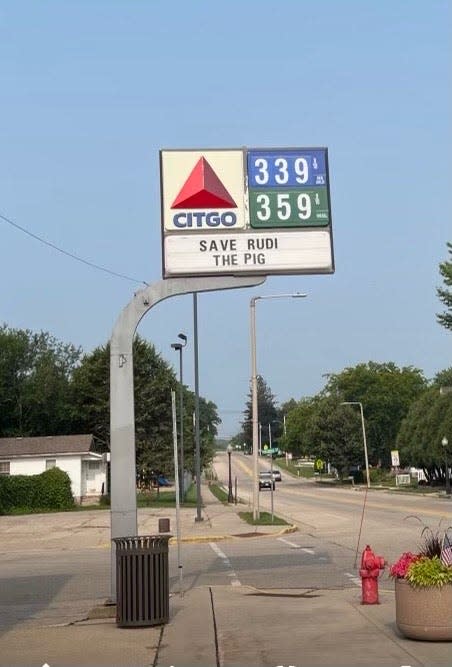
<point x="142" y="580"/>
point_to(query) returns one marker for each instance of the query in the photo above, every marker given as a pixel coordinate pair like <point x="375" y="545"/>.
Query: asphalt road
<point x="392" y="522"/>
<point x="55" y="585"/>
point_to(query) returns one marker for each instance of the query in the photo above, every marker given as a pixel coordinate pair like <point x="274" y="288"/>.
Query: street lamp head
<point x="293" y="295"/>
<point x="444" y="442"/>
<point x="183" y="337"/>
<point x="229" y="448"/>
<point x="176" y="346"/>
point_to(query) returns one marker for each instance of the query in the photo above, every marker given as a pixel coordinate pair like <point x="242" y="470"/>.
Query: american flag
<point x="446" y="550"/>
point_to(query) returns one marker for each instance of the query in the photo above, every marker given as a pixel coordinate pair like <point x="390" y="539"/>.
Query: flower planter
<point x="424" y="613"/>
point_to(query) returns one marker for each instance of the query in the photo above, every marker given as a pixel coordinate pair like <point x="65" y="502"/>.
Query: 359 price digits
<point x="289" y="208"/>
<point x="284" y="207"/>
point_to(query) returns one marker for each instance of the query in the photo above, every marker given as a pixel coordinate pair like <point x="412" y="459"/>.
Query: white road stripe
<point x="291" y="544"/>
<point x="353" y="579"/>
<point x="227" y="562"/>
<point x="217" y="550"/>
<point x="296" y="546"/>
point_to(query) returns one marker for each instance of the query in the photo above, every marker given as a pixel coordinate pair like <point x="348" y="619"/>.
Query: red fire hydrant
<point x="370" y="569"/>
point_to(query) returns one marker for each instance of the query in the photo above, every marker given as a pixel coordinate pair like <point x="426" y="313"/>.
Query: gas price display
<point x="288" y="188"/>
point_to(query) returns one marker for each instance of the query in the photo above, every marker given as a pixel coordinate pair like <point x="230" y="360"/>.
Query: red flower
<point x="399" y="569"/>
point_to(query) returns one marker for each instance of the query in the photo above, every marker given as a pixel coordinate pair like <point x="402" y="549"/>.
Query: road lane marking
<point x="296" y="546"/>
<point x="218" y="551"/>
<point x="291" y="544"/>
<point x="234" y="581"/>
<point x="244" y="467"/>
<point x="353" y="579"/>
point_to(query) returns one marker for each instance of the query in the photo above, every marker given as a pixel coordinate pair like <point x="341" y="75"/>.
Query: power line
<point x="70" y="254"/>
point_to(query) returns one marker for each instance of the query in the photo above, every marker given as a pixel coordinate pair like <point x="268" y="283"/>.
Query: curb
<point x="200" y="538"/>
<point x="217" y="538"/>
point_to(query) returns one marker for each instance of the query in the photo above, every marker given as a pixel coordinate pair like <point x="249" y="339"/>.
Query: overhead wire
<point x="70" y="254"/>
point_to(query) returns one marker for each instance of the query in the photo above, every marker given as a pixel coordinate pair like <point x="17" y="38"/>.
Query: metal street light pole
<point x="260" y="439"/>
<point x="179" y="347"/>
<point x="230" y="496"/>
<point x="364" y="436"/>
<point x="445" y="443"/>
<point x="271" y="469"/>
<point x="254" y="400"/>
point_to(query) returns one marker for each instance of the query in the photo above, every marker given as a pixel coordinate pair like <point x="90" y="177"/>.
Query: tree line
<point x="48" y="387"/>
<point x="402" y="410"/>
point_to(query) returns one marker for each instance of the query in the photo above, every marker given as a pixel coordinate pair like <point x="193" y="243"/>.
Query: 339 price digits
<point x="291" y="169"/>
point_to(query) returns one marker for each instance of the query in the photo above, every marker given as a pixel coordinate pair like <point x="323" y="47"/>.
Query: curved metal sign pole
<point x="122" y="414"/>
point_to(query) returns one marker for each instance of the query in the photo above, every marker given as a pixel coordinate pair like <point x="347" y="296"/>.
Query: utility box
<point x="142" y="580"/>
<point x="164" y="525"/>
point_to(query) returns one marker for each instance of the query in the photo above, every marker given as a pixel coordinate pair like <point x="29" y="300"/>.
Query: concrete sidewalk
<point x="241" y="626"/>
<point x="229" y="627"/>
<point x="210" y="626"/>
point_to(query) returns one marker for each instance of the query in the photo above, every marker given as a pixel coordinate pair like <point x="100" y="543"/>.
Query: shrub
<point x="429" y="572"/>
<point x="49" y="490"/>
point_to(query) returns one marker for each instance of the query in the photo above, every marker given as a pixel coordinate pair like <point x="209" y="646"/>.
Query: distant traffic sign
<point x="319" y="465"/>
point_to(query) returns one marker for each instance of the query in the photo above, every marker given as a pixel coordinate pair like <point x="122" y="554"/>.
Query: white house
<point x="74" y="454"/>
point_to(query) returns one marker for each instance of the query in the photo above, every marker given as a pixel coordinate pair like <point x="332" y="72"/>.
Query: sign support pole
<point x="122" y="414"/>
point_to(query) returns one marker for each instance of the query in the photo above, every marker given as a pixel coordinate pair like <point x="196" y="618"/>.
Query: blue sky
<point x="92" y="90"/>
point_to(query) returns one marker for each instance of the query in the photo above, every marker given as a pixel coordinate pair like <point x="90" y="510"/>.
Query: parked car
<point x="277" y="475"/>
<point x="265" y="481"/>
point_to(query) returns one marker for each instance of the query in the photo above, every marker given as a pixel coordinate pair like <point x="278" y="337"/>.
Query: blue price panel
<point x="293" y="168"/>
<point x="288" y="188"/>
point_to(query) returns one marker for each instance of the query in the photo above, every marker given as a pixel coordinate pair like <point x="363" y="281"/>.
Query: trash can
<point x="142" y="580"/>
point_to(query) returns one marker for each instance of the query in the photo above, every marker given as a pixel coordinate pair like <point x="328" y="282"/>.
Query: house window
<point x="50" y="463"/>
<point x="5" y="467"/>
<point x="92" y="469"/>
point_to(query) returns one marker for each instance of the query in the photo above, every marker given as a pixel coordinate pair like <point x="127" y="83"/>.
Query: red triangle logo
<point x="203" y="189"/>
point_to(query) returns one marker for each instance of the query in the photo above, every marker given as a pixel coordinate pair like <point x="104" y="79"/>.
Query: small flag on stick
<point x="446" y="549"/>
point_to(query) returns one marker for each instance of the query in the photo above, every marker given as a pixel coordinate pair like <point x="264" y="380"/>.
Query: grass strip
<point x="218" y="492"/>
<point x="265" y="519"/>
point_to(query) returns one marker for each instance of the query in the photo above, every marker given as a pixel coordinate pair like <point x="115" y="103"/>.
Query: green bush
<point x="49" y="490"/>
<point x="427" y="572"/>
<point x="105" y="500"/>
<point x="377" y="475"/>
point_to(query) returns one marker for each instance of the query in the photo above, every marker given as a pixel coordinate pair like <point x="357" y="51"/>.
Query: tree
<point x="267" y="413"/>
<point x="445" y="294"/>
<point x="443" y="379"/>
<point x="154" y="379"/>
<point x="333" y="432"/>
<point x="297" y="416"/>
<point x="386" y="393"/>
<point x="419" y="440"/>
<point x="35" y="373"/>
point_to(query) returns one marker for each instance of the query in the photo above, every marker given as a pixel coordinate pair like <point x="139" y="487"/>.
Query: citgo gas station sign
<point x="246" y="211"/>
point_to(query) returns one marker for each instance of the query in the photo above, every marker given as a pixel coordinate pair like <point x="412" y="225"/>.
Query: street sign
<point x="319" y="464"/>
<point x="253" y="211"/>
<point x="395" y="461"/>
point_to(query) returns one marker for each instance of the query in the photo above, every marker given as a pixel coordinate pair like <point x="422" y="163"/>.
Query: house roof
<point x="53" y="444"/>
